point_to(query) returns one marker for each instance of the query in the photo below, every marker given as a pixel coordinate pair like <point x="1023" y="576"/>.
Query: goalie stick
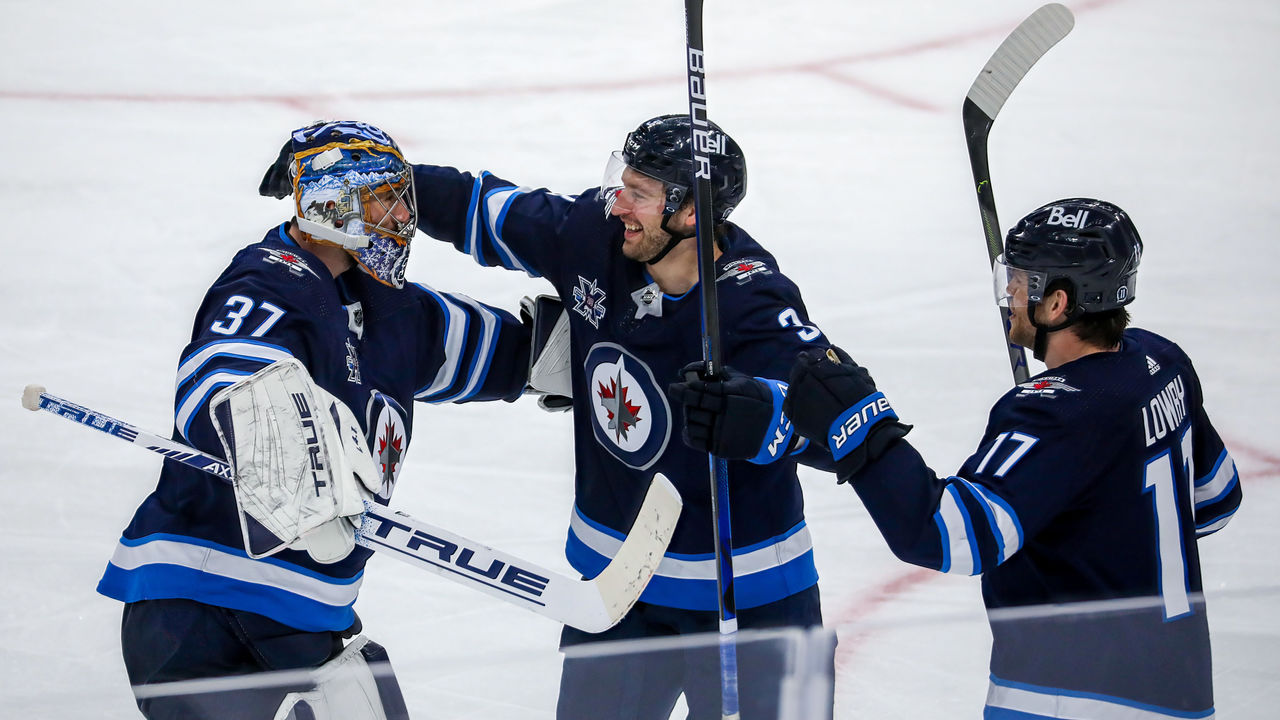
<point x="701" y="138"/>
<point x="590" y="605"/>
<point x="1008" y="65"/>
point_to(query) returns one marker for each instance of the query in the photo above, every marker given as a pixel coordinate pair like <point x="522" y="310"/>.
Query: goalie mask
<point x="352" y="188"/>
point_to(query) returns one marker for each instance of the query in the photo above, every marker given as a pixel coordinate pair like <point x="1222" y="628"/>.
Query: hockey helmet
<point x="1090" y="244"/>
<point x="352" y="188"/>
<point x="660" y="148"/>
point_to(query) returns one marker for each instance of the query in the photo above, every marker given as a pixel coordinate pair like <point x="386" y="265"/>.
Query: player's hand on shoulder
<point x="833" y="401"/>
<point x="735" y="416"/>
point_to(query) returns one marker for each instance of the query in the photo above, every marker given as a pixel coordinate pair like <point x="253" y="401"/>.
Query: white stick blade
<point x="621" y="583"/>
<point x="1015" y="56"/>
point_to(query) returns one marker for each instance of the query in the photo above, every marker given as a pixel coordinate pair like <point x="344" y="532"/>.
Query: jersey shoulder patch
<point x="291" y="262"/>
<point x="741" y="271"/>
<point x="1044" y="387"/>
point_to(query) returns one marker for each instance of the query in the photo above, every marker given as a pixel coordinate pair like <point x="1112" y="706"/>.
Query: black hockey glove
<point x="833" y="401"/>
<point x="736" y="417"/>
<point x="276" y="182"/>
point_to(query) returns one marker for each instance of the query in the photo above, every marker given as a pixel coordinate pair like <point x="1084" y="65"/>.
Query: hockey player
<point x="327" y="288"/>
<point x="623" y="261"/>
<point x="1091" y="484"/>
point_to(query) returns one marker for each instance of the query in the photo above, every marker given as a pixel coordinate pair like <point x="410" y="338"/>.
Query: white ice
<point x="134" y="134"/>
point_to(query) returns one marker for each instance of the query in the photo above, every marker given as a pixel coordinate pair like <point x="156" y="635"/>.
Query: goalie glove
<point x="550" y="374"/>
<point x="302" y="468"/>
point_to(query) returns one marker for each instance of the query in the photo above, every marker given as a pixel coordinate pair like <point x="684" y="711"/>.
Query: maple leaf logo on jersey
<point x="1045" y="387"/>
<point x="743" y="270"/>
<point x="293" y="261"/>
<point x="622" y="414"/>
<point x="390" y="449"/>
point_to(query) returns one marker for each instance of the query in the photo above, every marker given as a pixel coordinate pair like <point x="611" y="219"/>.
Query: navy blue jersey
<point x="375" y="348"/>
<point x="629" y="341"/>
<point x="1092" y="483"/>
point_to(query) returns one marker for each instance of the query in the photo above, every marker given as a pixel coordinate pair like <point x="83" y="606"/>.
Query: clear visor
<point x="1015" y="287"/>
<point x="629" y="189"/>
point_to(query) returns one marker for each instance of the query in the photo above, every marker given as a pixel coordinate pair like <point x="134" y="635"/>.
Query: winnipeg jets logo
<point x="623" y="415"/>
<point x="632" y="419"/>
<point x="353" y="363"/>
<point x="1045" y="387"/>
<point x="390" y="447"/>
<point x="388" y="439"/>
<point x="588" y="301"/>
<point x="743" y="270"/>
<point x="293" y="261"/>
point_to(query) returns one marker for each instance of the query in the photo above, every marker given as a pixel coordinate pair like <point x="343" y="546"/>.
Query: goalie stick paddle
<point x="702" y="137"/>
<point x="1008" y="65"/>
<point x="590" y="605"/>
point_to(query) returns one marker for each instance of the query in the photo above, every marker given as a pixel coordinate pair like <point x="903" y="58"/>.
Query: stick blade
<point x="1017" y="54"/>
<point x="31" y="396"/>
<point x="626" y="576"/>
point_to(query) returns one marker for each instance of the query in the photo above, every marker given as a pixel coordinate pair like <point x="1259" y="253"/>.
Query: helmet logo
<point x="1058" y="216"/>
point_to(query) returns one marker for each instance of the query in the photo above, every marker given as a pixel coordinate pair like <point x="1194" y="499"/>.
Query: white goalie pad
<point x="550" y="374"/>
<point x="345" y="689"/>
<point x="301" y="466"/>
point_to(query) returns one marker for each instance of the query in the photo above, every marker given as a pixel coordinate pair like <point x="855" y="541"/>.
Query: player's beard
<point x="1021" y="331"/>
<point x="647" y="246"/>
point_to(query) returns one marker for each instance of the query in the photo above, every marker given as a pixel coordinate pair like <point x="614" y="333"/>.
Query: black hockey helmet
<point x="660" y="148"/>
<point x="1090" y="244"/>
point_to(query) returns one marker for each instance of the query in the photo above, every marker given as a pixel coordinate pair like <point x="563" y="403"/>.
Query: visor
<point x="1015" y="287"/>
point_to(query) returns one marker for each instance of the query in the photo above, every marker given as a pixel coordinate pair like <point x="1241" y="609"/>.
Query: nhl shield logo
<point x="631" y="417"/>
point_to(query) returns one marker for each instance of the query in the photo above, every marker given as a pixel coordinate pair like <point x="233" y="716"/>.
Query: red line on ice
<point x="828" y="69"/>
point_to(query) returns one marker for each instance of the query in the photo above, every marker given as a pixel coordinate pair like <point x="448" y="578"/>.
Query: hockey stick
<point x="1008" y="65"/>
<point x="590" y="605"/>
<point x="701" y="140"/>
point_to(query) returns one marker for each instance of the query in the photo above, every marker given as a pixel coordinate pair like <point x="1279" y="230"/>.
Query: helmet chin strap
<point x="676" y="238"/>
<point x="1041" y="344"/>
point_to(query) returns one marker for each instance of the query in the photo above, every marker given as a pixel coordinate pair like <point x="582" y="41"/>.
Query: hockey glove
<point x="833" y="401"/>
<point x="276" y="182"/>
<point x="736" y="416"/>
<point x="550" y="374"/>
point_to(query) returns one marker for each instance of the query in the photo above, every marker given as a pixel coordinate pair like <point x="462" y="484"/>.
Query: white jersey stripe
<point x="760" y="559"/>
<point x="194" y="400"/>
<point x="1041" y="704"/>
<point x="216" y="562"/>
<point x="1218" y="483"/>
<point x="1006" y="524"/>
<point x="956" y="539"/>
<point x="454" y="342"/>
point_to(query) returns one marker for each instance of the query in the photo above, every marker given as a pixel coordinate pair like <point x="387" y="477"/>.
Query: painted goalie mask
<point x="352" y="188"/>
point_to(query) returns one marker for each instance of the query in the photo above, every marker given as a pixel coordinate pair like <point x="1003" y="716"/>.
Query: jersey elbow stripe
<point x="236" y="349"/>
<point x="959" y="548"/>
<point x="496" y="204"/>
<point x="1209" y="527"/>
<point x="199" y="395"/>
<point x="455" y="339"/>
<point x="1220" y="481"/>
<point x="483" y="356"/>
<point x="1001" y="519"/>
<point x="471" y="233"/>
